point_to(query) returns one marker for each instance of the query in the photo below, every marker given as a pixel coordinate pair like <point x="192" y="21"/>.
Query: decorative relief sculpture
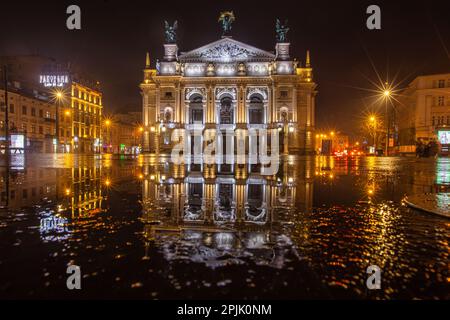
<point x="221" y="91"/>
<point x="262" y="91"/>
<point x="281" y="30"/>
<point x="170" y="32"/>
<point x="228" y="51"/>
<point x="190" y="91"/>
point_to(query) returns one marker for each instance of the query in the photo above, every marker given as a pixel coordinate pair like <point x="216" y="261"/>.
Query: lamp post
<point x="59" y="96"/>
<point x="5" y="79"/>
<point x="387" y="95"/>
<point x="141" y="132"/>
<point x="373" y="121"/>
<point x="108" y="124"/>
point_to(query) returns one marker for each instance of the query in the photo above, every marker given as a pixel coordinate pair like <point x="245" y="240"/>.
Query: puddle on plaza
<point x="145" y="228"/>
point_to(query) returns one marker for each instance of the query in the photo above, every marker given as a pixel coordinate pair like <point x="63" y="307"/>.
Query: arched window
<point x="226" y="111"/>
<point x="196" y="109"/>
<point x="256" y="110"/>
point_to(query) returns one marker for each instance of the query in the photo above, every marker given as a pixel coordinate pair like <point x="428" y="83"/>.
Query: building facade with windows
<point x="77" y="108"/>
<point x="230" y="89"/>
<point x="122" y="133"/>
<point x="31" y="119"/>
<point x="423" y="112"/>
<point x="84" y="115"/>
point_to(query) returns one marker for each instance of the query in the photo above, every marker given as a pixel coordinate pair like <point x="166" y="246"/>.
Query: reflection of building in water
<point x="235" y="209"/>
<point x="85" y="197"/>
<point x="27" y="188"/>
<point x="75" y="190"/>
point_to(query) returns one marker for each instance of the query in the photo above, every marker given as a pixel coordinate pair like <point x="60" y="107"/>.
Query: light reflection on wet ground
<point x="143" y="228"/>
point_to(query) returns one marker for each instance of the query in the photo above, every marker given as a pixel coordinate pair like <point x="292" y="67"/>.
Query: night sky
<point x="115" y="35"/>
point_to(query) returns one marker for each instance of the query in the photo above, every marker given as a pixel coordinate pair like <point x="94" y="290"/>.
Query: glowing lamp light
<point x="291" y="129"/>
<point x="387" y="93"/>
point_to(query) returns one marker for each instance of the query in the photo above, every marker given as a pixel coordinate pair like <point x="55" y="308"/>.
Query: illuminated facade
<point x="85" y="117"/>
<point x="77" y="128"/>
<point x="423" y="111"/>
<point x="228" y="87"/>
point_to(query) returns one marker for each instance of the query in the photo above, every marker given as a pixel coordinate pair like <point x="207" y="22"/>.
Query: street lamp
<point x="387" y="96"/>
<point x="59" y="97"/>
<point x="373" y="124"/>
<point x="108" y="133"/>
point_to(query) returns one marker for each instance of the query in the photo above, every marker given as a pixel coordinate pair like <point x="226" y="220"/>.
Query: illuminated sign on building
<point x="52" y="80"/>
<point x="17" y="141"/>
<point x="444" y="136"/>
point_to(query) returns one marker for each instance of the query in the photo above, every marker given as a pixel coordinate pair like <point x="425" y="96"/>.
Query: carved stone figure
<point x="210" y="70"/>
<point x="158" y="66"/>
<point x="170" y="32"/>
<point x="226" y="19"/>
<point x="241" y="69"/>
<point x="281" y="30"/>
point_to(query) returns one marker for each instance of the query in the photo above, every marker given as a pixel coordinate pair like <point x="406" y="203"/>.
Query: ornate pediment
<point x="226" y="50"/>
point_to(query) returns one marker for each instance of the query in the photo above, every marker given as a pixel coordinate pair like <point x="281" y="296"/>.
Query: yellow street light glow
<point x="372" y="118"/>
<point x="59" y="94"/>
<point x="387" y="93"/>
<point x="141" y="129"/>
<point x="67" y="113"/>
<point x="107" y="122"/>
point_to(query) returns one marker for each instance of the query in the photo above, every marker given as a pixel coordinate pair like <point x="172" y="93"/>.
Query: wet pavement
<point x="144" y="228"/>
